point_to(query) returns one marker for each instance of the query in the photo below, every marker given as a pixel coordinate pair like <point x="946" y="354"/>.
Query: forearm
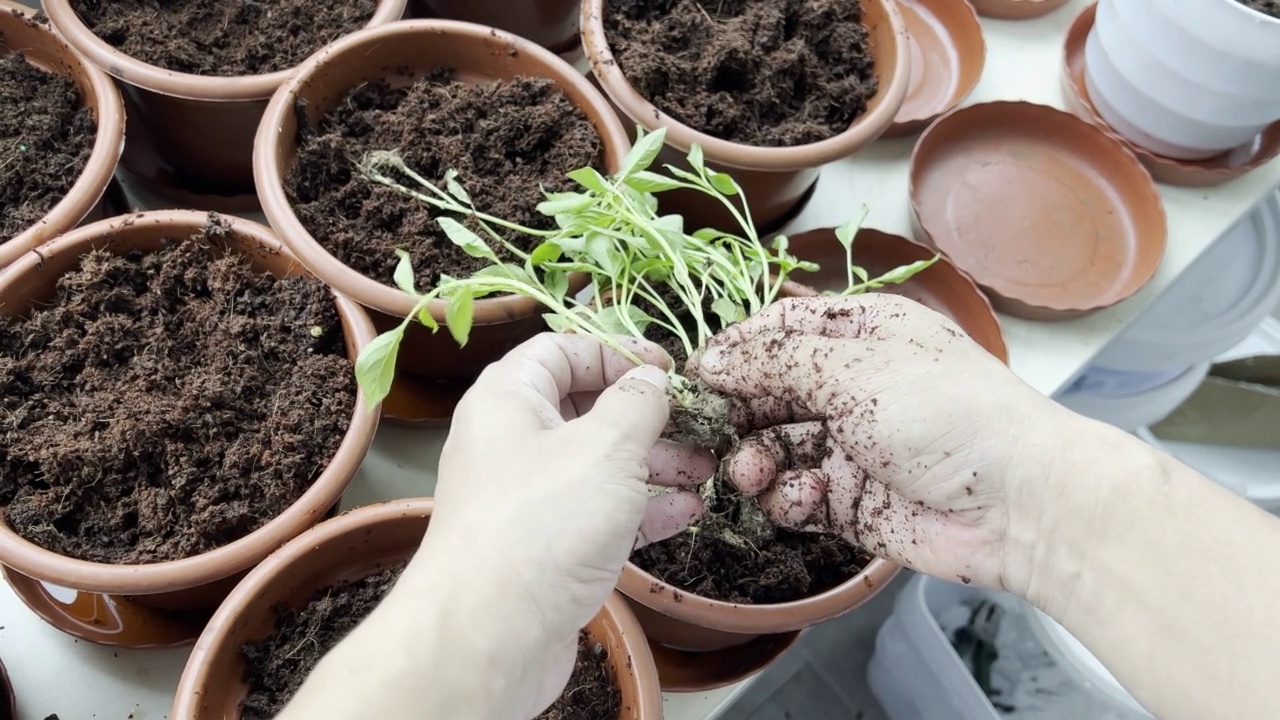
<point x="1171" y="580"/>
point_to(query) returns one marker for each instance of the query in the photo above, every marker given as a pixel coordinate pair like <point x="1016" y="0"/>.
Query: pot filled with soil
<point x="180" y="403"/>
<point x="771" y="91"/>
<point x="60" y="135"/>
<point x="552" y="24"/>
<point x="196" y="76"/>
<point x="1187" y="81"/>
<point x="494" y="118"/>
<point x="291" y="610"/>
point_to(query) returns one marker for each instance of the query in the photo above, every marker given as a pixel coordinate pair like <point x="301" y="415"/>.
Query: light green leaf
<point x="686" y="175"/>
<point x="644" y="152"/>
<point x="609" y="319"/>
<point x="458" y="316"/>
<point x="708" y="234"/>
<point x="558" y="323"/>
<point x="696" y="160"/>
<point x="590" y="179"/>
<point x="859" y="272"/>
<point x="670" y="224"/>
<point x="728" y="311"/>
<point x="557" y="283"/>
<point x="545" y="253"/>
<point x="905" y="272"/>
<point x="565" y="204"/>
<point x="807" y="266"/>
<point x="470" y="243"/>
<point x="647" y="181"/>
<point x="505" y="270"/>
<point x="847" y="232"/>
<point x="427" y="319"/>
<point x="604" y="253"/>
<point x="455" y="188"/>
<point x="723" y="183"/>
<point x="376" y="366"/>
<point x="404" y="273"/>
<point x="781" y="243"/>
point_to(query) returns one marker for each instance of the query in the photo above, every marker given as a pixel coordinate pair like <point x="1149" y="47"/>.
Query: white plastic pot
<point x="1074" y="657"/>
<point x="1211" y="307"/>
<point x="1186" y="79"/>
<point x="1138" y="409"/>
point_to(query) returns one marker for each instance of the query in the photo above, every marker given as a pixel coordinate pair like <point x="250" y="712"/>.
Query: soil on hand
<point x="164" y="405"/>
<point x="276" y="666"/>
<point x="1266" y="7"/>
<point x="592" y="692"/>
<point x="507" y="141"/>
<point x="758" y="72"/>
<point x="223" y="38"/>
<point x="46" y="135"/>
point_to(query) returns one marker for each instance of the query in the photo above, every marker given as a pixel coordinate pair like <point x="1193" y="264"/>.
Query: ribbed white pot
<point x="1186" y="79"/>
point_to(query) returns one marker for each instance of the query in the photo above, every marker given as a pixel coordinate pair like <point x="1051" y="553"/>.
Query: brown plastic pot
<point x="395" y="52"/>
<point x="45" y="50"/>
<point x="349" y="547"/>
<point x="165" y="603"/>
<point x="190" y="136"/>
<point x="553" y="24"/>
<point x="775" y="180"/>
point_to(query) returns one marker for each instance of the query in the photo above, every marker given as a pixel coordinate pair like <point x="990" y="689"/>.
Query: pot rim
<point x="196" y="675"/>
<point x="868" y="126"/>
<point x="269" y="173"/>
<point x="99" y="169"/>
<point x="207" y="88"/>
<point x="171" y="575"/>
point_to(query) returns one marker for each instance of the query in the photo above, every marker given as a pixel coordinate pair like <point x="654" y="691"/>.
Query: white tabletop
<point x="55" y="674"/>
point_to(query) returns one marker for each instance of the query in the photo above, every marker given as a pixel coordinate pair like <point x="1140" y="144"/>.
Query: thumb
<point x="636" y="407"/>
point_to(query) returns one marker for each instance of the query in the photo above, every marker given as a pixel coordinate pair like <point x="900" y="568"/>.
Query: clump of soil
<point x="1266" y="7"/>
<point x="507" y="140"/>
<point x="276" y="666"/>
<point x="166" y="404"/>
<point x="222" y="38"/>
<point x="46" y="136"/>
<point x="592" y="692"/>
<point x="758" y="72"/>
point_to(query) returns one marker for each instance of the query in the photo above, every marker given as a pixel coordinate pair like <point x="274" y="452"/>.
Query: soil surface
<point x="756" y="72"/>
<point x="1266" y="7"/>
<point x="222" y="38"/>
<point x="276" y="666"/>
<point x="506" y="140"/>
<point x="592" y="693"/>
<point x="167" y="404"/>
<point x="46" y="135"/>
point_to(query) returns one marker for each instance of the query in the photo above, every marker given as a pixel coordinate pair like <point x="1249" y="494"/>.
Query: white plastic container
<point x="1131" y="410"/>
<point x="1186" y="79"/>
<point x="1074" y="657"/>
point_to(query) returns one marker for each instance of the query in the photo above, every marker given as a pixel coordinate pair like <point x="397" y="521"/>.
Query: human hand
<point x="884" y="422"/>
<point x="542" y="493"/>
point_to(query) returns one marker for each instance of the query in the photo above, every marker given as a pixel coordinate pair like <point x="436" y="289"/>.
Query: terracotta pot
<point x="165" y="603"/>
<point x="552" y="24"/>
<point x="190" y="136"/>
<point x="478" y="54"/>
<point x="943" y="287"/>
<point x="776" y="180"/>
<point x="47" y="51"/>
<point x="349" y="547"/>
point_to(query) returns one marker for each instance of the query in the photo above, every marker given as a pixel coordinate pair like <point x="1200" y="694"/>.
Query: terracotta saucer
<point x="1016" y="9"/>
<point x="948" y="53"/>
<point x="1049" y="214"/>
<point x="943" y="287"/>
<point x="8" y="704"/>
<point x="684" y="671"/>
<point x="111" y="620"/>
<point x="1203" y="173"/>
<point x="420" y="402"/>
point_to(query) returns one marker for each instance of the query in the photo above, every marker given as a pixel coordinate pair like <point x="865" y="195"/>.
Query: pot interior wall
<point x="43" y="49"/>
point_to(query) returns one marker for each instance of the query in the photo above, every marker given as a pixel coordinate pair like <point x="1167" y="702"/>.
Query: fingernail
<point x="713" y="361"/>
<point x="651" y="374"/>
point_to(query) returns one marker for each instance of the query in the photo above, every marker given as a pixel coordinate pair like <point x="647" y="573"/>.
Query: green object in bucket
<point x="1238" y="405"/>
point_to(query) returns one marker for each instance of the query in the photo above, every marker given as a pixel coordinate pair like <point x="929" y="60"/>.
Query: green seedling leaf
<point x="565" y="204"/>
<point x="427" y="319"/>
<point x="708" y="234"/>
<point x="646" y="181"/>
<point x="455" y="188"/>
<point x="725" y="184"/>
<point x="686" y="175"/>
<point x="376" y="366"/>
<point x="458" y="316"/>
<point x="781" y="243"/>
<point x="860" y="273"/>
<point x="848" y="231"/>
<point x="644" y="152"/>
<point x="404" y="273"/>
<point x="906" y="272"/>
<point x="557" y="283"/>
<point x="590" y="179"/>
<point x="671" y="225"/>
<point x="470" y="243"/>
<point x="547" y="252"/>
<point x="558" y="323"/>
<point x="613" y="319"/>
<point x="604" y="252"/>
<point x="728" y="311"/>
<point x="696" y="159"/>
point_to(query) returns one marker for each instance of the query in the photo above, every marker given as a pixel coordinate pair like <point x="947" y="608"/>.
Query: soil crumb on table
<point x="166" y="404"/>
<point x="46" y="136"/>
<point x="592" y="692"/>
<point x="774" y="73"/>
<point x="507" y="140"/>
<point x="1266" y="7"/>
<point x="223" y="38"/>
<point x="276" y="666"/>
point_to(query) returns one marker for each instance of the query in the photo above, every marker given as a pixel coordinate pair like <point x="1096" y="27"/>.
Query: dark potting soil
<point x="167" y="404"/>
<point x="276" y="666"/>
<point x="758" y="72"/>
<point x="222" y="38"/>
<point x="507" y="141"/>
<point x="1266" y="7"/>
<point x="46" y="136"/>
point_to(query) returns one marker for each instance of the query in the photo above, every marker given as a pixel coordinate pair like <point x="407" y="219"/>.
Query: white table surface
<point x="55" y="674"/>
